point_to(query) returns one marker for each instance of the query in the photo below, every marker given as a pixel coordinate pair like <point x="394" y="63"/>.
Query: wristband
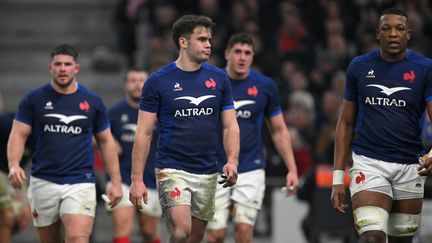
<point x="338" y="177"/>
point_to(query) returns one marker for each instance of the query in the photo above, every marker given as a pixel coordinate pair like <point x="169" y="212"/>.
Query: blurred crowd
<point x="305" y="46"/>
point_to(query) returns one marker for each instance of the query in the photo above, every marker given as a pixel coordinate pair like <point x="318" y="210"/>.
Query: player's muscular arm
<point x="15" y="150"/>
<point x="231" y="142"/>
<point x="108" y="150"/>
<point x="107" y="147"/>
<point x="141" y="147"/>
<point x="343" y="139"/>
<point x="282" y="141"/>
<point x="344" y="134"/>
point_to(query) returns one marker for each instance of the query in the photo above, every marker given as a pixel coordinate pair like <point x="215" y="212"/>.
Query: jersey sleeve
<point x="101" y="121"/>
<point x="272" y="107"/>
<point x="25" y="112"/>
<point x="115" y="128"/>
<point x="428" y="85"/>
<point x="227" y="102"/>
<point x="150" y="98"/>
<point x="350" y="92"/>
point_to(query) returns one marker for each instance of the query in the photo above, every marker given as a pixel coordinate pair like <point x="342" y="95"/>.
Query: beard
<point x="135" y="98"/>
<point x="63" y="85"/>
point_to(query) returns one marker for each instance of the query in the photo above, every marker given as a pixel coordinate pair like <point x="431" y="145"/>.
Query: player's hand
<point x="291" y="184"/>
<point x="114" y="194"/>
<point x="17" y="176"/>
<point x="425" y="165"/>
<point x="338" y="198"/>
<point x="138" y="194"/>
<point x="230" y="171"/>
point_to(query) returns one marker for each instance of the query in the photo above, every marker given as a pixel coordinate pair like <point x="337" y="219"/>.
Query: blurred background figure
<point x="123" y="118"/>
<point x="114" y="35"/>
<point x="15" y="211"/>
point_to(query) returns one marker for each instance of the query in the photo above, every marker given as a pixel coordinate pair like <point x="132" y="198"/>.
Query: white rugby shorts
<point x="178" y="187"/>
<point x="50" y="201"/>
<point x="399" y="181"/>
<point x="248" y="192"/>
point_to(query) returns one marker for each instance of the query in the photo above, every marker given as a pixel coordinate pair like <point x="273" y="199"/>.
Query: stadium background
<point x="305" y="46"/>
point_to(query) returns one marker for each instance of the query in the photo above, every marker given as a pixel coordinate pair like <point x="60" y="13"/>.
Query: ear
<point x="409" y="34"/>
<point x="226" y="54"/>
<point x="182" y="42"/>
<point x="377" y="34"/>
<point x="77" y="68"/>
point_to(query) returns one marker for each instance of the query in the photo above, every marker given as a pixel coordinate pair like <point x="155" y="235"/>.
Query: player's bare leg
<point x="7" y="222"/>
<point x="243" y="232"/>
<point x="77" y="228"/>
<point x="123" y="221"/>
<point x="178" y="222"/>
<point x="198" y="230"/>
<point x="51" y="233"/>
<point x="216" y="236"/>
<point x="149" y="227"/>
<point x="369" y="198"/>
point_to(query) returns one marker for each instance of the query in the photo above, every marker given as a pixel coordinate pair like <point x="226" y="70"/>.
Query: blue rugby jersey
<point x="123" y="119"/>
<point x="390" y="98"/>
<point x="188" y="107"/>
<point x="255" y="98"/>
<point x="63" y="127"/>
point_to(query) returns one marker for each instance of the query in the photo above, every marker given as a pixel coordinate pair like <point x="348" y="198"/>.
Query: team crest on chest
<point x="84" y="106"/>
<point x="252" y="91"/>
<point x="210" y="83"/>
<point x="409" y="76"/>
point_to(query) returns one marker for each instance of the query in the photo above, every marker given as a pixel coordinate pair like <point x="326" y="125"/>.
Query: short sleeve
<point x="25" y="112"/>
<point x="101" y="121"/>
<point x="150" y="98"/>
<point x="428" y="88"/>
<point x="350" y="92"/>
<point x="114" y="123"/>
<point x="272" y="107"/>
<point x="227" y="102"/>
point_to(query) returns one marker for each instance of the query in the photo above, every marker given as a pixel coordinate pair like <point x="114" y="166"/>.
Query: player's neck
<point x="70" y="89"/>
<point x="388" y="57"/>
<point x="236" y="76"/>
<point x="185" y="64"/>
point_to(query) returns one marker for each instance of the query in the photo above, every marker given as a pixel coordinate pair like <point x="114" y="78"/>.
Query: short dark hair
<point x="133" y="69"/>
<point x="65" y="49"/>
<point x="395" y="11"/>
<point x="185" y="25"/>
<point x="241" y="38"/>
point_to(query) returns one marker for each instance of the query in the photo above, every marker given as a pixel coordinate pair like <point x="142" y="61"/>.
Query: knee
<point x="244" y="229"/>
<point x="179" y="234"/>
<point x="216" y="236"/>
<point x="149" y="236"/>
<point x="370" y="218"/>
<point x="400" y="224"/>
<point x="7" y="218"/>
<point x="77" y="235"/>
<point x="373" y="237"/>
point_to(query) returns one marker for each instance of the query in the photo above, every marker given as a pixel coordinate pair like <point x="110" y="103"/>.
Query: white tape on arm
<point x="338" y="177"/>
<point x="105" y="198"/>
